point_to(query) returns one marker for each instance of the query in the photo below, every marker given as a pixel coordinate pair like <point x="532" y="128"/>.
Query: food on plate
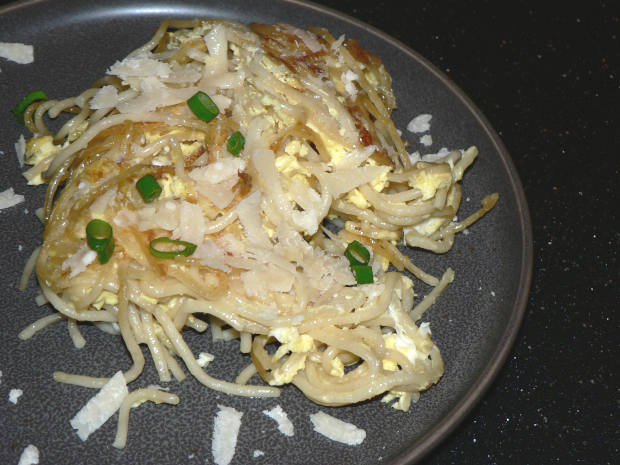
<point x="337" y="430"/>
<point x="246" y="180"/>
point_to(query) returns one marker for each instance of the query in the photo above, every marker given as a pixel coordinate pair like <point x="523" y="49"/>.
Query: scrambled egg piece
<point x="39" y="148"/>
<point x="289" y="165"/>
<point x="404" y="342"/>
<point x="284" y="376"/>
<point x="298" y="345"/>
<point x="295" y="147"/>
<point x="335" y="148"/>
<point x="189" y="148"/>
<point x="404" y="399"/>
<point x="404" y="345"/>
<point x="358" y="199"/>
<point x="291" y="341"/>
<point x="106" y="297"/>
<point x="381" y="181"/>
<point x="337" y="367"/>
<point x="389" y="365"/>
<point x="378" y="184"/>
<point x="281" y="73"/>
<point x="385" y="262"/>
<point x="429" y="177"/>
<point x="429" y="226"/>
<point x="172" y="186"/>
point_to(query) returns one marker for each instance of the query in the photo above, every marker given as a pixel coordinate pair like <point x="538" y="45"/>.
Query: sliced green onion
<point x="357" y="254"/>
<point x="363" y="274"/>
<point x="186" y="251"/>
<point x="148" y="187"/>
<point x="100" y="239"/>
<point x="236" y="143"/>
<point x="33" y="96"/>
<point x="203" y="107"/>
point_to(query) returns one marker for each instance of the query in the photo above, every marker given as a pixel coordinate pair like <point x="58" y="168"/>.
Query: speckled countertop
<point x="547" y="76"/>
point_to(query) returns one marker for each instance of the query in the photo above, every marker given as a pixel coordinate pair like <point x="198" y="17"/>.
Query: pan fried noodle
<point x="314" y="112"/>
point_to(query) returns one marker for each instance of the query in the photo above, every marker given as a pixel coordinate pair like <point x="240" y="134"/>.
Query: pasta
<point x="281" y="189"/>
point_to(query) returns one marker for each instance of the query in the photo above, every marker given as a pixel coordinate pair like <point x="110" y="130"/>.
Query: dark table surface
<point x="547" y="76"/>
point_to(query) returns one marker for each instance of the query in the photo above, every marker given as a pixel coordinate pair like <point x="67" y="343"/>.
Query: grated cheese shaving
<point x="9" y="198"/>
<point x="225" y="431"/>
<point x="281" y="418"/>
<point x="100" y="407"/>
<point x="30" y="456"/>
<point x="337" y="430"/>
<point x="17" y="52"/>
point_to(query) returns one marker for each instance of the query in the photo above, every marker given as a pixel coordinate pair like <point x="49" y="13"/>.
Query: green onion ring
<point x="188" y="248"/>
<point x="236" y="142"/>
<point x="203" y="107"/>
<point x="99" y="237"/>
<point x="362" y="273"/>
<point x="357" y="254"/>
<point x="33" y="96"/>
<point x="148" y="187"/>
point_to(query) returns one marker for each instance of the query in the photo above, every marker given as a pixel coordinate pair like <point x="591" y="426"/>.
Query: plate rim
<point x="414" y="451"/>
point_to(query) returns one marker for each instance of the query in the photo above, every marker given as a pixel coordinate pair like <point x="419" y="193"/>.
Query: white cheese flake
<point x="433" y="157"/>
<point x="142" y="65"/>
<point x="106" y="97"/>
<point x="308" y="38"/>
<point x="17" y="52"/>
<point x="347" y="79"/>
<point x="30" y="456"/>
<point x="337" y="43"/>
<point x="337" y="430"/>
<point x="14" y="395"/>
<point x="100" y="407"/>
<point x="420" y="123"/>
<point x="20" y="150"/>
<point x="258" y="453"/>
<point x="425" y="328"/>
<point x="218" y="171"/>
<point x="191" y="226"/>
<point x="225" y="432"/>
<point x="281" y="418"/>
<point x="426" y="140"/>
<point x="79" y="261"/>
<point x="204" y="358"/>
<point x="9" y="198"/>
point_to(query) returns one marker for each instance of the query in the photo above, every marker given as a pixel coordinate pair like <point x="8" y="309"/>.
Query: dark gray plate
<point x="474" y="322"/>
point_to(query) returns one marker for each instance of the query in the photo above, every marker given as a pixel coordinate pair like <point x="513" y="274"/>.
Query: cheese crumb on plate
<point x="337" y="430"/>
<point x="420" y="123"/>
<point x="225" y="431"/>
<point x="280" y="417"/>
<point x="19" y="53"/>
<point x="9" y="198"/>
<point x="14" y="395"/>
<point x="30" y="456"/>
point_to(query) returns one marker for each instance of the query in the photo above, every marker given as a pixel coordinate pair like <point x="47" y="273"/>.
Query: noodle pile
<point x="323" y="165"/>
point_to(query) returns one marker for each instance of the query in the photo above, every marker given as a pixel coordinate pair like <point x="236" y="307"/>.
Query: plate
<point x="474" y="322"/>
